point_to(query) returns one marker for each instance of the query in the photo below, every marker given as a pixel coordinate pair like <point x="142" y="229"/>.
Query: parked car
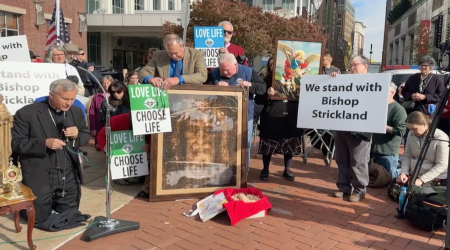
<point x="109" y="71"/>
<point x="400" y="76"/>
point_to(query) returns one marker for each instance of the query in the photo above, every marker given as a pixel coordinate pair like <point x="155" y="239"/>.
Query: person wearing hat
<point x="34" y="57"/>
<point x="73" y="51"/>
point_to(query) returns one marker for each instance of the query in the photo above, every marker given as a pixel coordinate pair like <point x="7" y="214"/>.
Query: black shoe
<point x="288" y="175"/>
<point x="264" y="176"/>
<point x="84" y="152"/>
<point x="143" y="194"/>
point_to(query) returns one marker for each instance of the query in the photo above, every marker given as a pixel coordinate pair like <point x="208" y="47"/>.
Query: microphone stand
<point x="105" y="226"/>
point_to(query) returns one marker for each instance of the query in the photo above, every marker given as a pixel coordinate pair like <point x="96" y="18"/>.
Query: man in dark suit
<point x="45" y="136"/>
<point x="175" y="65"/>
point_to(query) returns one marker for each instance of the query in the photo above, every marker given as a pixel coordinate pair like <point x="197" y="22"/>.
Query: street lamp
<point x="370" y="59"/>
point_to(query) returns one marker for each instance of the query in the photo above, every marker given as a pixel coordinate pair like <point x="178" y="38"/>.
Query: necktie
<point x="177" y="70"/>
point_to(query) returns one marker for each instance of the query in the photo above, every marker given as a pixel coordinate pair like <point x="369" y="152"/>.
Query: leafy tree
<point x="399" y="10"/>
<point x="254" y="29"/>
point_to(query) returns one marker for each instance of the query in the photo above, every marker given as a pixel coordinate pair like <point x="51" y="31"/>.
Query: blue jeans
<point x="389" y="162"/>
<point x="249" y="139"/>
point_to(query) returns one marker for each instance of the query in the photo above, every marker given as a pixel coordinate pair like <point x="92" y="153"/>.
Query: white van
<point x="400" y="76"/>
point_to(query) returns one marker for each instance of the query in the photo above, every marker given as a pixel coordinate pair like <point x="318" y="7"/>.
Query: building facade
<point x="287" y="8"/>
<point x="358" y="39"/>
<point x="120" y="31"/>
<point x="424" y="23"/>
<point x="337" y="17"/>
<point x="346" y="19"/>
<point x="20" y="17"/>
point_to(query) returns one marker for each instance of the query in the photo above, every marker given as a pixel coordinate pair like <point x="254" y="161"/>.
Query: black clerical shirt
<point x="61" y="157"/>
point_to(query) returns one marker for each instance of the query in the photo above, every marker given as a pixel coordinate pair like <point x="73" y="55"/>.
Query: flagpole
<point x="57" y="19"/>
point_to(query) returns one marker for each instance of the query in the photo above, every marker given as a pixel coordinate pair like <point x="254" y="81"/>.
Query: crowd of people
<point x="47" y="135"/>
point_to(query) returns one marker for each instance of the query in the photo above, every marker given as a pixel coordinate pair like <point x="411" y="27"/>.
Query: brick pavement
<point x="305" y="216"/>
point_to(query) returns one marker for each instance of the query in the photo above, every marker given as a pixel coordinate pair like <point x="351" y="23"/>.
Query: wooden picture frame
<point x="207" y="148"/>
<point x="309" y="53"/>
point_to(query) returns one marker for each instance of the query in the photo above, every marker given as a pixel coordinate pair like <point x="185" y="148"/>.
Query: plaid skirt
<point x="292" y="146"/>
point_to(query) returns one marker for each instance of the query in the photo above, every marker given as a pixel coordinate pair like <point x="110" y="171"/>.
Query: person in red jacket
<point x="232" y="48"/>
<point x="445" y="118"/>
<point x="119" y="123"/>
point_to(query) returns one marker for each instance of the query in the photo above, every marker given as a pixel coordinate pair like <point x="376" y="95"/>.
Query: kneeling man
<point x="45" y="136"/>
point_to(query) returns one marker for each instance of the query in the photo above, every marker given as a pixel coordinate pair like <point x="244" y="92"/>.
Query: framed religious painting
<point x="294" y="58"/>
<point x="207" y="148"/>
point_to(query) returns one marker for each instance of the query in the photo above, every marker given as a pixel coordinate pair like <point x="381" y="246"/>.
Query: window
<point x="339" y="16"/>
<point x="92" y="5"/>
<point x="139" y="5"/>
<point x="118" y="6"/>
<point x="94" y="47"/>
<point x="437" y="4"/>
<point x="171" y="5"/>
<point x="268" y="4"/>
<point x="156" y="4"/>
<point x="9" y="24"/>
<point x="248" y="2"/>
<point x="288" y="4"/>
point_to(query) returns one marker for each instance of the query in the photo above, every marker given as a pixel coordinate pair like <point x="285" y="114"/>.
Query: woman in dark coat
<point x="278" y="129"/>
<point x="118" y="100"/>
<point x="423" y="89"/>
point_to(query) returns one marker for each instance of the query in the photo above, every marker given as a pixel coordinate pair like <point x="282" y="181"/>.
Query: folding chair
<point x="316" y="138"/>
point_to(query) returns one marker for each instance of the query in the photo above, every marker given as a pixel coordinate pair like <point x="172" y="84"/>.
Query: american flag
<point x="63" y="34"/>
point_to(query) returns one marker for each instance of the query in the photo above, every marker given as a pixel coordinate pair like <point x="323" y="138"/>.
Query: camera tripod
<point x="429" y="137"/>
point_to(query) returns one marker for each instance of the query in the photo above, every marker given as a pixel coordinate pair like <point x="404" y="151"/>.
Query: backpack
<point x="378" y="176"/>
<point x="427" y="208"/>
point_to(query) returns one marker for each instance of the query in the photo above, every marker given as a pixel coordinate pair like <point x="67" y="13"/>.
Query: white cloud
<point x="372" y="15"/>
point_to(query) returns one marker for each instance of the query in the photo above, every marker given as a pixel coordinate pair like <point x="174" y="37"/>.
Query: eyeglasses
<point x="116" y="92"/>
<point x="81" y="54"/>
<point x="229" y="32"/>
<point x="58" y="54"/>
<point x="355" y="65"/>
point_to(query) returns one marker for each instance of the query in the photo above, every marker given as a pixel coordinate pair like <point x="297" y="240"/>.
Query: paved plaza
<point x="304" y="216"/>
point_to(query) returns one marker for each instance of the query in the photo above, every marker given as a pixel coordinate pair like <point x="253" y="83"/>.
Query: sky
<point x="372" y="14"/>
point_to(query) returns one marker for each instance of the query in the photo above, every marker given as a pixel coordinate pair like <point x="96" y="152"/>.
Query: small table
<point x="16" y="205"/>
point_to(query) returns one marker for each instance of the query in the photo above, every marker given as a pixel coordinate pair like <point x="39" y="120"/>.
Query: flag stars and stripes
<point x="63" y="34"/>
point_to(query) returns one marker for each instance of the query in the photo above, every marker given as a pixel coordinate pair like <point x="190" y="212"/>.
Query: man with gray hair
<point x="352" y="153"/>
<point x="385" y="146"/>
<point x="230" y="73"/>
<point x="232" y="48"/>
<point x="45" y="136"/>
<point x="175" y="65"/>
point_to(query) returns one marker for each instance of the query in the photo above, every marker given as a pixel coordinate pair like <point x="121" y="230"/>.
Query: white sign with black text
<point x="21" y="83"/>
<point x="14" y="49"/>
<point x="351" y="102"/>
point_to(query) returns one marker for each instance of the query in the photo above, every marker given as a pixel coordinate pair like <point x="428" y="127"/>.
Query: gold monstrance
<point x="11" y="175"/>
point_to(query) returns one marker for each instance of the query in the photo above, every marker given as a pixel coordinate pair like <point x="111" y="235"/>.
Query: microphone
<point x="67" y="123"/>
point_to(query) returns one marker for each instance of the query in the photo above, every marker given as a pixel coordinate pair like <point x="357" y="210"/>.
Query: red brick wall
<point x="37" y="35"/>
